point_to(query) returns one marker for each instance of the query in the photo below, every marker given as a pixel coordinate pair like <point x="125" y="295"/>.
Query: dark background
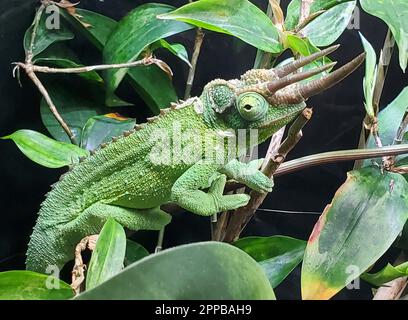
<point x="336" y="125"/>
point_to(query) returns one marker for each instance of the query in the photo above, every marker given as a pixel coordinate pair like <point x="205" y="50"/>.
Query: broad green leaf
<point x="292" y="15"/>
<point x="139" y="29"/>
<point x="153" y="86"/>
<point x="389" y="120"/>
<point x="277" y="255"/>
<point x="305" y="48"/>
<point x="28" y="285"/>
<point x="202" y="271"/>
<point x="62" y="57"/>
<point x="134" y="252"/>
<point x="75" y="109"/>
<point x="46" y="151"/>
<point x="101" y="26"/>
<point x="387" y="274"/>
<point x="176" y="48"/>
<point x="100" y="129"/>
<point x="366" y="216"/>
<point x="370" y="76"/>
<point x="151" y="83"/>
<point x="395" y="14"/>
<point x="328" y="27"/>
<point x="46" y="36"/>
<point x="239" y="18"/>
<point x="107" y="258"/>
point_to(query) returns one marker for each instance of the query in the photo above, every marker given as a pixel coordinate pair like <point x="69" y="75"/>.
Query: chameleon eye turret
<point x="252" y="106"/>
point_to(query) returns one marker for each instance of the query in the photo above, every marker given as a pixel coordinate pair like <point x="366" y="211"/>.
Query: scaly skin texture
<point x="160" y="162"/>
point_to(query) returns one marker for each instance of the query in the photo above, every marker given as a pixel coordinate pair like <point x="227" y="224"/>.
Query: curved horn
<point x="307" y="90"/>
<point x="312" y="88"/>
<point x="304" y="61"/>
<point x="278" y="84"/>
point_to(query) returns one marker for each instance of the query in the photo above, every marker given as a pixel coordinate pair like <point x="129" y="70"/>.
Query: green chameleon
<point x="131" y="177"/>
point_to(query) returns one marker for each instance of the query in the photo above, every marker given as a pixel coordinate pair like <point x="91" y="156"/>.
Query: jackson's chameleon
<point x="128" y="180"/>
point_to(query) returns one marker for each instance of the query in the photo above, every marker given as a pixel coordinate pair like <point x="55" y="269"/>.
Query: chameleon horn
<point x="300" y="63"/>
<point x="276" y="85"/>
<point x="312" y="88"/>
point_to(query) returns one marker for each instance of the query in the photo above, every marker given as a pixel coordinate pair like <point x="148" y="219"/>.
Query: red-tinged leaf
<point x="366" y="216"/>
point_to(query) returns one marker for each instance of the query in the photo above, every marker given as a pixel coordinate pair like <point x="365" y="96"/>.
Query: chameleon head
<point x="269" y="99"/>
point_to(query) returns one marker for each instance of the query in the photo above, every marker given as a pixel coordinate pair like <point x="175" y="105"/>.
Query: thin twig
<point x="399" y="138"/>
<point x="51" y="104"/>
<point x="199" y="38"/>
<point x="242" y="216"/>
<point x="28" y="67"/>
<point x="160" y="239"/>
<point x="43" y="69"/>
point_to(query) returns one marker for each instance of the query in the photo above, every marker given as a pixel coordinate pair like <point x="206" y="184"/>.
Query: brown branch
<point x="28" y="67"/>
<point x="242" y="216"/>
<point x="43" y="69"/>
<point x="339" y="156"/>
<point x="199" y="38"/>
<point x="51" y="104"/>
<point x="31" y="69"/>
<point x="399" y="138"/>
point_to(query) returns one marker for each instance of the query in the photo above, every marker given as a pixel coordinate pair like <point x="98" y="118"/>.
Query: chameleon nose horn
<point x="304" y="61"/>
<point x="303" y="91"/>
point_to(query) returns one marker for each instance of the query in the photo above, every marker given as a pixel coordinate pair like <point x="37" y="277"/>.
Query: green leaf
<point x="239" y="18"/>
<point x="366" y="216"/>
<point x="328" y="27"/>
<point x="277" y="255"/>
<point x="153" y="86"/>
<point x="292" y="16"/>
<point x="100" y="29"/>
<point x="107" y="258"/>
<point x="134" y="252"/>
<point x="306" y="48"/>
<point x="395" y="14"/>
<point x="28" y="285"/>
<point x="139" y="29"/>
<point x="176" y="48"/>
<point x="62" y="57"/>
<point x="370" y="78"/>
<point x="75" y="109"/>
<point x="388" y="122"/>
<point x="101" y="129"/>
<point x="45" y="36"/>
<point x="202" y="271"/>
<point x="387" y="274"/>
<point x="46" y="151"/>
<point x="151" y="83"/>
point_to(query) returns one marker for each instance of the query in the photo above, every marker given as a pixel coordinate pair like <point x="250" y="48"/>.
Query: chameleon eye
<point x="252" y="106"/>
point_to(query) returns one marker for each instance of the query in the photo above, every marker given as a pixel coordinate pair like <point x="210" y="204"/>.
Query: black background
<point x="336" y="125"/>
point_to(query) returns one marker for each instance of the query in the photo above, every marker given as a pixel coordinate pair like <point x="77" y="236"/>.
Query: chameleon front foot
<point x="208" y="204"/>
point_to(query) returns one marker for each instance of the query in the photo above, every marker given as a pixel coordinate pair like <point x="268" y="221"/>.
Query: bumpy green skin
<point x="121" y="181"/>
